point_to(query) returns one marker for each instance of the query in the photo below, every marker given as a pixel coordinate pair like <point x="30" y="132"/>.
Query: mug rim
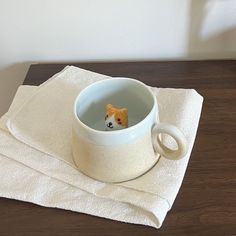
<point x="126" y="130"/>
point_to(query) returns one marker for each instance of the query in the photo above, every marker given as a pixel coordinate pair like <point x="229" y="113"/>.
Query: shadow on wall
<point x="11" y="77"/>
<point x="218" y="45"/>
<point x="221" y="44"/>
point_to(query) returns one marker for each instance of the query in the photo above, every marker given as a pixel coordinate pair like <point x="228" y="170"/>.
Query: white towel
<point x="37" y="139"/>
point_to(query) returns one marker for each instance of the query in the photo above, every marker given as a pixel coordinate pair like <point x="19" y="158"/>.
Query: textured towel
<point x="37" y="138"/>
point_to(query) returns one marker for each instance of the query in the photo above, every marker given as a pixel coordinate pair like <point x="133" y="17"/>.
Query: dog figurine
<point x="116" y="118"/>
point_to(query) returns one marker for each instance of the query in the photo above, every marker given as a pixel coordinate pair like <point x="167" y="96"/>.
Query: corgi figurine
<point x="116" y="118"/>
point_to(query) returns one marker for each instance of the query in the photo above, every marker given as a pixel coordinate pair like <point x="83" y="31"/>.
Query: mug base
<point x="117" y="180"/>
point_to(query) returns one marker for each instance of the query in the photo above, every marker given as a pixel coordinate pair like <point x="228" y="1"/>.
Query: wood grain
<point x="206" y="203"/>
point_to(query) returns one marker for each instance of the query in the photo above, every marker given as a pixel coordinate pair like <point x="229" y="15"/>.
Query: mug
<point x="120" y="155"/>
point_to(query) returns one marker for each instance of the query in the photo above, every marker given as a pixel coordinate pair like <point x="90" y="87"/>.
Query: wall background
<point x="108" y="30"/>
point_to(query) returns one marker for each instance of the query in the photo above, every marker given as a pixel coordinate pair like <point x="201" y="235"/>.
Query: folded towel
<point x="37" y="138"/>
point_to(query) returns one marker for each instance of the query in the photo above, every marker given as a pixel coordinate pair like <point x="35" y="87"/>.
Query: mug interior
<point x="121" y="93"/>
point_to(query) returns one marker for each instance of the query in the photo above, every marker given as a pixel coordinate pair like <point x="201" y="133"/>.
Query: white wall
<point x="104" y="30"/>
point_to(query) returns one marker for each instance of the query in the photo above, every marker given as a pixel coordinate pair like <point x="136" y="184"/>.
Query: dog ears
<point x="109" y="106"/>
<point x="124" y="110"/>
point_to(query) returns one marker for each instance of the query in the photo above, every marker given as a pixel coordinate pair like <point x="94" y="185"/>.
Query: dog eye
<point x="106" y="117"/>
<point x="119" y="121"/>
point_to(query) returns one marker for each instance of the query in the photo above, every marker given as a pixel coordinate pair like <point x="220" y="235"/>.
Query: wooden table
<point x="206" y="203"/>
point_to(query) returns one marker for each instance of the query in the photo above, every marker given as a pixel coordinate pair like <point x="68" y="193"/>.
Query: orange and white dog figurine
<point x="116" y="118"/>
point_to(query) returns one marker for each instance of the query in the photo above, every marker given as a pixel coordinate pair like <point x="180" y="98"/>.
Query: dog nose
<point x="110" y="124"/>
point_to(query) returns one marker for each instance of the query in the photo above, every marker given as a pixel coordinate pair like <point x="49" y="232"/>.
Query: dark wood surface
<point x="206" y="203"/>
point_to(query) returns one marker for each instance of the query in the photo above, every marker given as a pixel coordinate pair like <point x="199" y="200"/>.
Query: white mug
<point x="120" y="155"/>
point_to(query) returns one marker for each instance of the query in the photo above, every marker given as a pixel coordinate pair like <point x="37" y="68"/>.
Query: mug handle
<point x="176" y="134"/>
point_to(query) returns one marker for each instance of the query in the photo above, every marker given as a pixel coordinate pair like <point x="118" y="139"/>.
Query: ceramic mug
<point x="121" y="155"/>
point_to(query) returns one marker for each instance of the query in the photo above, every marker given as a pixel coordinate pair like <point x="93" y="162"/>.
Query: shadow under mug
<point x="121" y="155"/>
